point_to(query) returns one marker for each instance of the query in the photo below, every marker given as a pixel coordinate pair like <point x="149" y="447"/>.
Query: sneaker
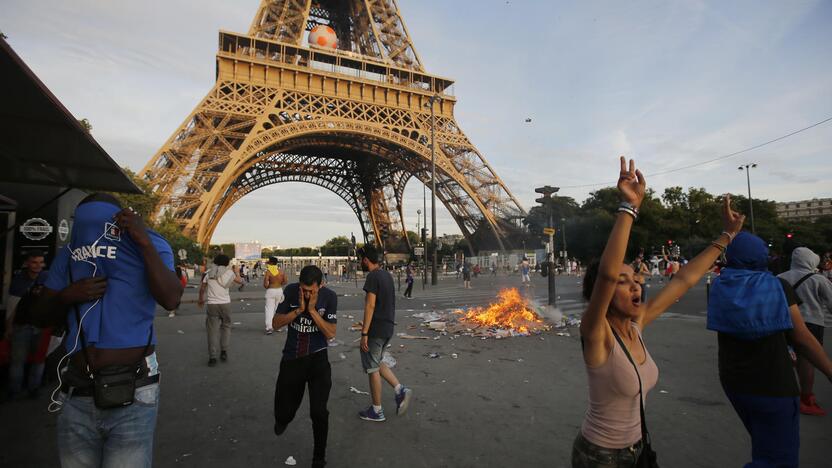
<point x="370" y="414"/>
<point x="403" y="400"/>
<point x="223" y="356"/>
<point x="212" y="362"/>
<point x="809" y="406"/>
<point x="172" y="314"/>
<point x="269" y="331"/>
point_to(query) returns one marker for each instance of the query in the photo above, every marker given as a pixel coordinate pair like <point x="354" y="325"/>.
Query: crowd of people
<point x="104" y="286"/>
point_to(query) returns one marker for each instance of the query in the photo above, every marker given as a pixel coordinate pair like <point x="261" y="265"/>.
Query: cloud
<point x="669" y="83"/>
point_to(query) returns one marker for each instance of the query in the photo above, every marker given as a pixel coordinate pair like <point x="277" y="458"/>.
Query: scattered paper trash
<point x="180" y="332"/>
<point x="237" y="323"/>
<point x="291" y="461"/>
<point x="358" y="392"/>
<point x="433" y="355"/>
<point x="663" y="391"/>
<point x="454" y="355"/>
<point x="405" y="336"/>
<point x="342" y="356"/>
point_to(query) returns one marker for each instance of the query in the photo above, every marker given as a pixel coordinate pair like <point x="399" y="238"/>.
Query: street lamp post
<point x="546" y="201"/>
<point x="432" y="101"/>
<point x="423" y="237"/>
<point x="565" y="250"/>
<point x="747" y="168"/>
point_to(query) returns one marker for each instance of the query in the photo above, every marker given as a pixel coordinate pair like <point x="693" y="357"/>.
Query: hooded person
<point x="104" y="286"/>
<point x="213" y="291"/>
<point x="815" y="293"/>
<point x="756" y="317"/>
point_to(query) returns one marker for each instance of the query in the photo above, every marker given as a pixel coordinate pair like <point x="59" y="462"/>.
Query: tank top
<point x="613" y="419"/>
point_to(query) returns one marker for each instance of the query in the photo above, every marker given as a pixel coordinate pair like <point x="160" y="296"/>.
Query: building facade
<point x="804" y="209"/>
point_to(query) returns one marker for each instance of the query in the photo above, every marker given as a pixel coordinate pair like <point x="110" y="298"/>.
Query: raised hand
<point x="631" y="183"/>
<point x="133" y="224"/>
<point x="731" y="220"/>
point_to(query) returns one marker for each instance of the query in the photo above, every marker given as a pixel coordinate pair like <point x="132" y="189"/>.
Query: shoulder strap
<point x="801" y="280"/>
<point x="645" y="436"/>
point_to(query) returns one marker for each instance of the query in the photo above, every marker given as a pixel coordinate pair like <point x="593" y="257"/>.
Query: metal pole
<point x="750" y="203"/>
<point x="433" y="191"/>
<point x="424" y="237"/>
<point x="551" y="259"/>
<point x="565" y="250"/>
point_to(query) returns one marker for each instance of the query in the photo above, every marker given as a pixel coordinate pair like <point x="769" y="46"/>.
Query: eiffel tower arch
<point x="355" y="120"/>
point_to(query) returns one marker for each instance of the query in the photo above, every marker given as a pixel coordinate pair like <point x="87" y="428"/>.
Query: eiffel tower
<point x="354" y="119"/>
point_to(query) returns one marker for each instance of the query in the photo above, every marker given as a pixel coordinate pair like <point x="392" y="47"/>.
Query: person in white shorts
<point x="273" y="281"/>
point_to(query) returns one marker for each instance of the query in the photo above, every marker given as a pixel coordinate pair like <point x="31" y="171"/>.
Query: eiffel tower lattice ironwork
<point x="355" y="120"/>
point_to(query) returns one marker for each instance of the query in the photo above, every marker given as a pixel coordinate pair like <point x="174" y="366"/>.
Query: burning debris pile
<point x="511" y="315"/>
<point x="511" y="312"/>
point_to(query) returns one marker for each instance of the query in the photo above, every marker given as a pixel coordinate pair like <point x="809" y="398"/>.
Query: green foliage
<point x="172" y="231"/>
<point x="690" y="218"/>
<point x="142" y="203"/>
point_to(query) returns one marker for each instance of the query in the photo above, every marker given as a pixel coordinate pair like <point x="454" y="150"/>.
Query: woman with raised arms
<point x="611" y="434"/>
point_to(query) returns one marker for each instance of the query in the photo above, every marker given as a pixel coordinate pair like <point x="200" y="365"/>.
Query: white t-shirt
<point x="216" y="289"/>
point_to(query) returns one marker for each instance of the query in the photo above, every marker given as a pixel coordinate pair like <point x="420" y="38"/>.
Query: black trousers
<point x="295" y="374"/>
<point x="409" y="291"/>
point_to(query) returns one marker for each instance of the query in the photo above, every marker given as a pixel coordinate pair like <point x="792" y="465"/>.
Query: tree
<point x="85" y="124"/>
<point x="168" y="228"/>
<point x="337" y="246"/>
<point x="142" y="203"/>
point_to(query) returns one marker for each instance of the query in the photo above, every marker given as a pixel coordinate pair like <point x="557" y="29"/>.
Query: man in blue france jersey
<point x="104" y="286"/>
<point x="311" y="313"/>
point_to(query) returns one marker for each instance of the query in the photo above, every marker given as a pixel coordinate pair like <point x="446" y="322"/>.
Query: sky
<point x="667" y="83"/>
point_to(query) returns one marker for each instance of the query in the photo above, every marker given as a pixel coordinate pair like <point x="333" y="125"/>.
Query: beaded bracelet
<point x="718" y="246"/>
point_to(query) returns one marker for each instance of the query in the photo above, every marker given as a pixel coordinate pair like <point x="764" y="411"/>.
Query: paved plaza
<point x="502" y="403"/>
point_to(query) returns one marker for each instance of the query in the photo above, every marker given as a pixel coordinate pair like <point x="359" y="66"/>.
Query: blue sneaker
<point x="370" y="414"/>
<point x="403" y="400"/>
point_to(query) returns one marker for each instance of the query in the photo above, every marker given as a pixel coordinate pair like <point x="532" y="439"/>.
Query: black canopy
<point x="42" y="143"/>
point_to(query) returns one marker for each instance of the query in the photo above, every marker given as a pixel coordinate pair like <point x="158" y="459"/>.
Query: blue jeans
<point x="108" y="438"/>
<point x="25" y="339"/>
<point x="774" y="426"/>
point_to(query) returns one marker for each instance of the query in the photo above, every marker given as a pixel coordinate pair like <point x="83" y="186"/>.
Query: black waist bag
<point x="115" y="386"/>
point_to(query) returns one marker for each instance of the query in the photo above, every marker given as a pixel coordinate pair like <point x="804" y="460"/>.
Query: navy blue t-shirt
<point x="304" y="337"/>
<point x="21" y="283"/>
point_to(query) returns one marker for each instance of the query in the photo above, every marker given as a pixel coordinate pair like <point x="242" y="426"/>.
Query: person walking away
<point x="273" y="281"/>
<point x="377" y="329"/>
<point x="466" y="275"/>
<point x="641" y="272"/>
<point x="104" y="286"/>
<point x="620" y="370"/>
<point x="214" y="292"/>
<point x="815" y="294"/>
<point x="25" y="338"/>
<point x="311" y="312"/>
<point x="243" y="274"/>
<point x="409" y="280"/>
<point x="756" y="316"/>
